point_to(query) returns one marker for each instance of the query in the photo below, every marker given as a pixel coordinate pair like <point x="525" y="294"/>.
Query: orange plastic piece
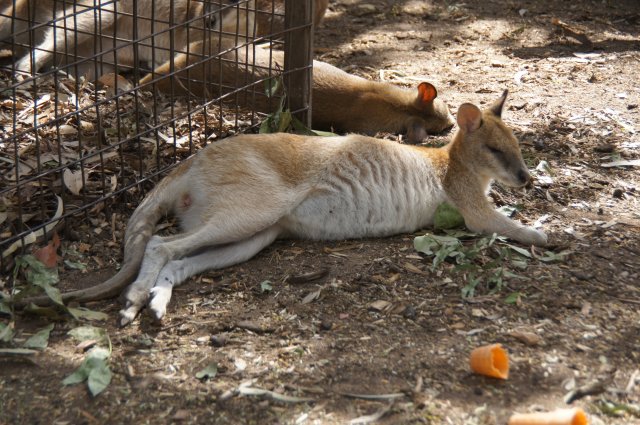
<point x="490" y="360"/>
<point x="558" y="417"/>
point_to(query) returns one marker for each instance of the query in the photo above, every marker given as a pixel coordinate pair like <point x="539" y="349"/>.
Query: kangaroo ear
<point x="426" y="93"/>
<point x="496" y="107"/>
<point x="469" y="117"/>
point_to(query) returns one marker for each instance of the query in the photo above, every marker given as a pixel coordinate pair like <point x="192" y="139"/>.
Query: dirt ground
<point x="379" y="336"/>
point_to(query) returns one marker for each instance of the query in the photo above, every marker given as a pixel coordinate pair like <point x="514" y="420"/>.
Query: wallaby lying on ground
<point x="340" y="101"/>
<point x="86" y="28"/>
<point x="106" y="28"/>
<point x="237" y="196"/>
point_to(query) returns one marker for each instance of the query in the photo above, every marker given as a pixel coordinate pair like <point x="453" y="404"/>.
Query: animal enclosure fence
<point x="99" y="99"/>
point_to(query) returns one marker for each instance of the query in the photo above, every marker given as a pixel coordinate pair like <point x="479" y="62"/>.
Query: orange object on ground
<point x="490" y="360"/>
<point x="559" y="417"/>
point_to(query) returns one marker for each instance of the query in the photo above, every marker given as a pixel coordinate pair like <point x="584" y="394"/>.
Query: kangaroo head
<point x="488" y="147"/>
<point x="429" y="114"/>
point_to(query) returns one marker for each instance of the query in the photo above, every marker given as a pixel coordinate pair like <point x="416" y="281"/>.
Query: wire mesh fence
<point x="98" y="99"/>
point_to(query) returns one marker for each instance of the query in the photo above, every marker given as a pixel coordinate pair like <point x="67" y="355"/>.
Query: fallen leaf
<point x="413" y="269"/>
<point x="47" y="255"/>
<point x="622" y="163"/>
<point x="528" y="338"/>
<point x="40" y="339"/>
<point x="379" y="305"/>
<point x="73" y="180"/>
<point x="208" y="372"/>
<point x="311" y="296"/>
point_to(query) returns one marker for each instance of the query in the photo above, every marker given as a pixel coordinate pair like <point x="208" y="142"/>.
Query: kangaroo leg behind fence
<point x="75" y="27"/>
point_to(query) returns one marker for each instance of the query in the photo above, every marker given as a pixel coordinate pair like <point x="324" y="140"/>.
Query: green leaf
<point x="469" y="289"/>
<point x="79" y="375"/>
<point x="284" y="120"/>
<point x="85" y="313"/>
<point x="99" y="378"/>
<point x="323" y="133"/>
<point x="6" y="332"/>
<point x="550" y="256"/>
<point x="5" y="308"/>
<point x="84" y="333"/>
<point x="425" y="244"/>
<point x="51" y="292"/>
<point x="40" y="339"/>
<point x="272" y="86"/>
<point x="447" y="217"/>
<point x="520" y="251"/>
<point x="208" y="372"/>
<point x="75" y="265"/>
<point x="520" y="264"/>
<point x="266" y="286"/>
<point x="95" y="369"/>
<point x="513" y="297"/>
<point x="511" y="275"/>
<point x="265" y="126"/>
<point x="36" y="272"/>
<point x="300" y="128"/>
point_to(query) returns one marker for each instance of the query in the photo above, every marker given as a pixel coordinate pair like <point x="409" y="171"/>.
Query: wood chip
<point x="308" y="277"/>
<point x="528" y="338"/>
<point x="380" y="305"/>
<point x="254" y="327"/>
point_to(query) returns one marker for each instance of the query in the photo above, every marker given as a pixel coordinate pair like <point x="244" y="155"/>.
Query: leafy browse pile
<point x="484" y="262"/>
<point x="32" y="276"/>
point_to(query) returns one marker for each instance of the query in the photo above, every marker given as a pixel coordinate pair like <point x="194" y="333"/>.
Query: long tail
<point x="139" y="230"/>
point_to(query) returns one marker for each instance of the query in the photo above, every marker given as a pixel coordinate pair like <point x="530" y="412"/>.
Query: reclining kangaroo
<point x="341" y="102"/>
<point x="106" y="28"/>
<point x="237" y="196"/>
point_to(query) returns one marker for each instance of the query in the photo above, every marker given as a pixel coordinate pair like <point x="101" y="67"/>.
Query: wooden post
<point x="298" y="57"/>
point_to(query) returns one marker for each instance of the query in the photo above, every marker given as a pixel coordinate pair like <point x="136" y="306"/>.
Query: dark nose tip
<point x="523" y="176"/>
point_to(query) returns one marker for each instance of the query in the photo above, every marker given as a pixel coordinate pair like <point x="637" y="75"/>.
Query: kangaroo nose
<point x="523" y="176"/>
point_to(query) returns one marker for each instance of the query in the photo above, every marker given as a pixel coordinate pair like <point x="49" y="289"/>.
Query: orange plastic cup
<point x="558" y="417"/>
<point x="490" y="360"/>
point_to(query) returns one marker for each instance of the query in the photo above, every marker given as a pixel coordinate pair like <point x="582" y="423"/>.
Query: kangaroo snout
<point x="523" y="176"/>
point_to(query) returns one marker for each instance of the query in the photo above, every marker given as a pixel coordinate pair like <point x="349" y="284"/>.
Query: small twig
<point x="391" y="396"/>
<point x="635" y="376"/>
<point x="572" y="32"/>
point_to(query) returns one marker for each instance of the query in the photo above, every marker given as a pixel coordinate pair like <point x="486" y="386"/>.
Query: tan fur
<point x="340" y="101"/>
<point x="249" y="19"/>
<point x="244" y="192"/>
<point x="262" y="18"/>
<point x="173" y="21"/>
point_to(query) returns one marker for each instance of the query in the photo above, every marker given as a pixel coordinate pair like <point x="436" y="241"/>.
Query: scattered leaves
<point x="208" y="372"/>
<point x="94" y="369"/>
<point x="40" y="339"/>
<point x="266" y="286"/>
<point x="48" y="255"/>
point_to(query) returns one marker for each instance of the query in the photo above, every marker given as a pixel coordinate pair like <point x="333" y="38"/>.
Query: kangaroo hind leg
<point x="177" y="271"/>
<point x="160" y="252"/>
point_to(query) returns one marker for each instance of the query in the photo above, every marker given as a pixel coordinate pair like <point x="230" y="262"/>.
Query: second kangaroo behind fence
<point x="340" y="101"/>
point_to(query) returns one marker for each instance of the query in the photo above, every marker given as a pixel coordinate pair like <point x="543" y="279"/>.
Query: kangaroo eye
<point x="494" y="151"/>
